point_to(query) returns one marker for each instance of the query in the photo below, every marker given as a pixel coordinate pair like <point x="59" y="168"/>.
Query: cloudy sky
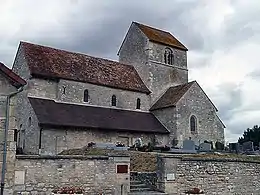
<point x="223" y="38"/>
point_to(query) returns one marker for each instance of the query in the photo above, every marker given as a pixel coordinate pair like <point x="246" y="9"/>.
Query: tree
<point x="251" y="135"/>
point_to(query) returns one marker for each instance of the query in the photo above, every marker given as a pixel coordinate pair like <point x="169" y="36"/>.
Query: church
<point x="71" y="99"/>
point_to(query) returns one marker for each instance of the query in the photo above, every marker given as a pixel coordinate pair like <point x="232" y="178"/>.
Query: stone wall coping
<point x="212" y="159"/>
<point x="220" y="160"/>
<point x="62" y="157"/>
<point x="134" y="172"/>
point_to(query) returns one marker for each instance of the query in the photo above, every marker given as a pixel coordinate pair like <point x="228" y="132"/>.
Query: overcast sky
<point x="223" y="38"/>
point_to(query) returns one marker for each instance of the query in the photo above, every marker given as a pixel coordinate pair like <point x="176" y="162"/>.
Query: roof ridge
<point x="153" y="27"/>
<point x="160" y="36"/>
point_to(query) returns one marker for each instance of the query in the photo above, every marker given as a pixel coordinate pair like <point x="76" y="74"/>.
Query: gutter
<point x="7" y="111"/>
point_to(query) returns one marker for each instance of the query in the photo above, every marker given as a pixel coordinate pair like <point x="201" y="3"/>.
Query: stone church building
<point x="71" y="99"/>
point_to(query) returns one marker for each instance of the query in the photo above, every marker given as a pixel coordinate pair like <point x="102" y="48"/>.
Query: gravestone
<point x="205" y="147"/>
<point x="219" y="146"/>
<point x="105" y="145"/>
<point x="233" y="147"/>
<point x="248" y="146"/>
<point x="138" y="142"/>
<point x="188" y="145"/>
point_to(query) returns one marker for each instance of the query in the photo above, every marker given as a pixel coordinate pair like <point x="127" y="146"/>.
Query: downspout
<point x="7" y="112"/>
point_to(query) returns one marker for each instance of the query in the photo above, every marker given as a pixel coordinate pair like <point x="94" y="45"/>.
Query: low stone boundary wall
<point x="177" y="175"/>
<point x="96" y="174"/>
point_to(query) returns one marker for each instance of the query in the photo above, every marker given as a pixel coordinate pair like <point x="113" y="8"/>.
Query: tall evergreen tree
<point x="252" y="134"/>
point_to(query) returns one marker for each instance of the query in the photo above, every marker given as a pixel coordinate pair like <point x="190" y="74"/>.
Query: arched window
<point x="138" y="103"/>
<point x="113" y="100"/>
<point x="86" y="95"/>
<point x="193" y="124"/>
<point x="168" y="56"/>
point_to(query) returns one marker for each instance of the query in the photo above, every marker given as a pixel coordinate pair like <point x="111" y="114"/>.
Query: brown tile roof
<point x="55" y="63"/>
<point x="172" y="96"/>
<point x="10" y="75"/>
<point x="50" y="113"/>
<point x="160" y="36"/>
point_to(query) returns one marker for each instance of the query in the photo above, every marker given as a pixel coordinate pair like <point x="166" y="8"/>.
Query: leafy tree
<point x="252" y="134"/>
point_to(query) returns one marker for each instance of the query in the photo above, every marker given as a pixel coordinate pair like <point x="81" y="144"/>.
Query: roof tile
<point x="172" y="96"/>
<point x="55" y="63"/>
<point x="51" y="113"/>
<point x="16" y="80"/>
<point x="160" y="36"/>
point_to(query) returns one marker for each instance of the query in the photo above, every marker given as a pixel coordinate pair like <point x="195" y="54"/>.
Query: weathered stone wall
<point x="40" y="175"/>
<point x="26" y="121"/>
<point x="101" y="95"/>
<point x="168" y="118"/>
<point x="209" y="127"/>
<point x="44" y="88"/>
<point x="179" y="56"/>
<point x="163" y="76"/>
<point x="176" y="175"/>
<point x="147" y="58"/>
<point x="56" y="140"/>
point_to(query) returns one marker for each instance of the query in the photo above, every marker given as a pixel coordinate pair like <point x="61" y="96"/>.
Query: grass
<point x="139" y="161"/>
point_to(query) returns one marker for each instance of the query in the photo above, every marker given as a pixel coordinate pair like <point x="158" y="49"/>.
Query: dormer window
<point x="113" y="100"/>
<point x="168" y="56"/>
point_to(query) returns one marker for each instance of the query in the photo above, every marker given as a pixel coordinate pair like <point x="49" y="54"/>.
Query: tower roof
<point x="160" y="36"/>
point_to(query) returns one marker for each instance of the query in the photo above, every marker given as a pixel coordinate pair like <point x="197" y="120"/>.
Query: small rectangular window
<point x="122" y="169"/>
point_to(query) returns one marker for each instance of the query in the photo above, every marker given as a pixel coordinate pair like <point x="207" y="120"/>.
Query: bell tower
<point x="159" y="58"/>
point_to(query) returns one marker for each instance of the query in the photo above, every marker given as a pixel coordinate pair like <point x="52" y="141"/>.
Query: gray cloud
<point x="98" y="28"/>
<point x="109" y="24"/>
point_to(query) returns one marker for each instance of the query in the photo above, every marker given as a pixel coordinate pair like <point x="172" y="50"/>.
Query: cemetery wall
<point x="214" y="176"/>
<point x="100" y="174"/>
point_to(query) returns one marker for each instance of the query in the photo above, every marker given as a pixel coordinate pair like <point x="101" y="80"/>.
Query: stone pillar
<point x="166" y="174"/>
<point x="122" y="179"/>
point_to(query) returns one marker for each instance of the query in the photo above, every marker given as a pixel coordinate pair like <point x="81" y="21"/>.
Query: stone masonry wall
<point x="36" y="175"/>
<point x="55" y="140"/>
<point x="220" y="177"/>
<point x="147" y="58"/>
<point x="101" y="95"/>
<point x="162" y="76"/>
<point x="196" y="103"/>
<point x="5" y="89"/>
